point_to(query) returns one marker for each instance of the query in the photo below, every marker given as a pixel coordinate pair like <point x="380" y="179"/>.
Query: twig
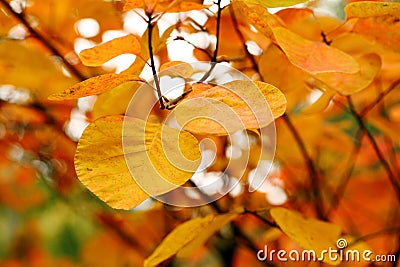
<point x="344" y="181"/>
<point x="314" y="179"/>
<point x="379" y="98"/>
<point x="242" y="39"/>
<point x="378" y="152"/>
<point x="20" y="17"/>
<point x="214" y="57"/>
<point x="150" y="26"/>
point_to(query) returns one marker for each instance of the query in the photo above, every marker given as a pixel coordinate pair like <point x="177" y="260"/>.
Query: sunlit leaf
<point x="363" y="9"/>
<point x="164" y="5"/>
<point x="314" y="57"/>
<point x="276" y="3"/>
<point x="95" y="85"/>
<point x="382" y="29"/>
<point x="101" y="165"/>
<point x="188" y="236"/>
<point x="310" y="234"/>
<point x="230" y="107"/>
<point x="177" y="68"/>
<point x="100" y="54"/>
<point x="350" y="83"/>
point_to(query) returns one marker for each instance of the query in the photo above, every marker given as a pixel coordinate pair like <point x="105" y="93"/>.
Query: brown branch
<point x="150" y="26"/>
<point x="242" y="39"/>
<point x="312" y="171"/>
<point x="378" y="152"/>
<point x="344" y="181"/>
<point x="379" y="98"/>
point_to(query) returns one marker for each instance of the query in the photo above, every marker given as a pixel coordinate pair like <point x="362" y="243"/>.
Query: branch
<point x="378" y="152"/>
<point x="150" y="26"/>
<point x="217" y="34"/>
<point x="379" y="98"/>
<point x="344" y="181"/>
<point x="21" y="18"/>
<point x="312" y="171"/>
<point x="242" y="39"/>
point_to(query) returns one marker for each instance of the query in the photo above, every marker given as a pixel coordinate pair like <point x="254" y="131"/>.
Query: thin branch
<point x="21" y="18"/>
<point x="379" y="98"/>
<point x="378" y="152"/>
<point x="214" y="57"/>
<point x="312" y="171"/>
<point x="217" y="34"/>
<point x="344" y="181"/>
<point x="150" y="26"/>
<point x="242" y="39"/>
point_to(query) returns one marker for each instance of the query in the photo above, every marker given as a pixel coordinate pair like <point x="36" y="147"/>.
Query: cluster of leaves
<point x="332" y="85"/>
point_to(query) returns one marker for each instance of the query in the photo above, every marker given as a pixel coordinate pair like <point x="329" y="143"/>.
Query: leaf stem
<point x="21" y="18"/>
<point x="150" y="26"/>
<point x="314" y="178"/>
<point x="378" y="152"/>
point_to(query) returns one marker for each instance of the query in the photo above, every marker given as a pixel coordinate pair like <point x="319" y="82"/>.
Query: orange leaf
<point x="230" y="107"/>
<point x="350" y="83"/>
<point x="364" y="9"/>
<point x="313" y="57"/>
<point x="94" y="86"/>
<point x="98" y="55"/>
<point x="164" y="5"/>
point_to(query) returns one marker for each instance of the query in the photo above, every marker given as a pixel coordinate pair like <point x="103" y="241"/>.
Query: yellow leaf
<point x="115" y="101"/>
<point x="113" y="147"/>
<point x="259" y="17"/>
<point x="94" y="86"/>
<point x="313" y="57"/>
<point x="164" y="5"/>
<point x="98" y="55"/>
<point x="177" y="68"/>
<point x="310" y="234"/>
<point x="189" y="235"/>
<point x="230" y="107"/>
<point x="276" y="3"/>
<point x="350" y="83"/>
<point x="364" y="9"/>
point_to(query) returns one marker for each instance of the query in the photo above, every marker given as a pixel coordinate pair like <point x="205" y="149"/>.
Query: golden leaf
<point x="188" y="236"/>
<point x="95" y="85"/>
<point x="230" y="107"/>
<point x="310" y="234"/>
<point x="104" y="162"/>
<point x="100" y="54"/>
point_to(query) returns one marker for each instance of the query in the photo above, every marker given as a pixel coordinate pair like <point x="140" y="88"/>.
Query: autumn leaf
<point x="310" y="234"/>
<point x="164" y="5"/>
<point x="276" y="3"/>
<point x="95" y="85"/>
<point x="100" y="54"/>
<point x="313" y="57"/>
<point x="350" y="83"/>
<point x="364" y="9"/>
<point x="177" y="69"/>
<point x="230" y="107"/>
<point x="188" y="236"/>
<point x="104" y="165"/>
